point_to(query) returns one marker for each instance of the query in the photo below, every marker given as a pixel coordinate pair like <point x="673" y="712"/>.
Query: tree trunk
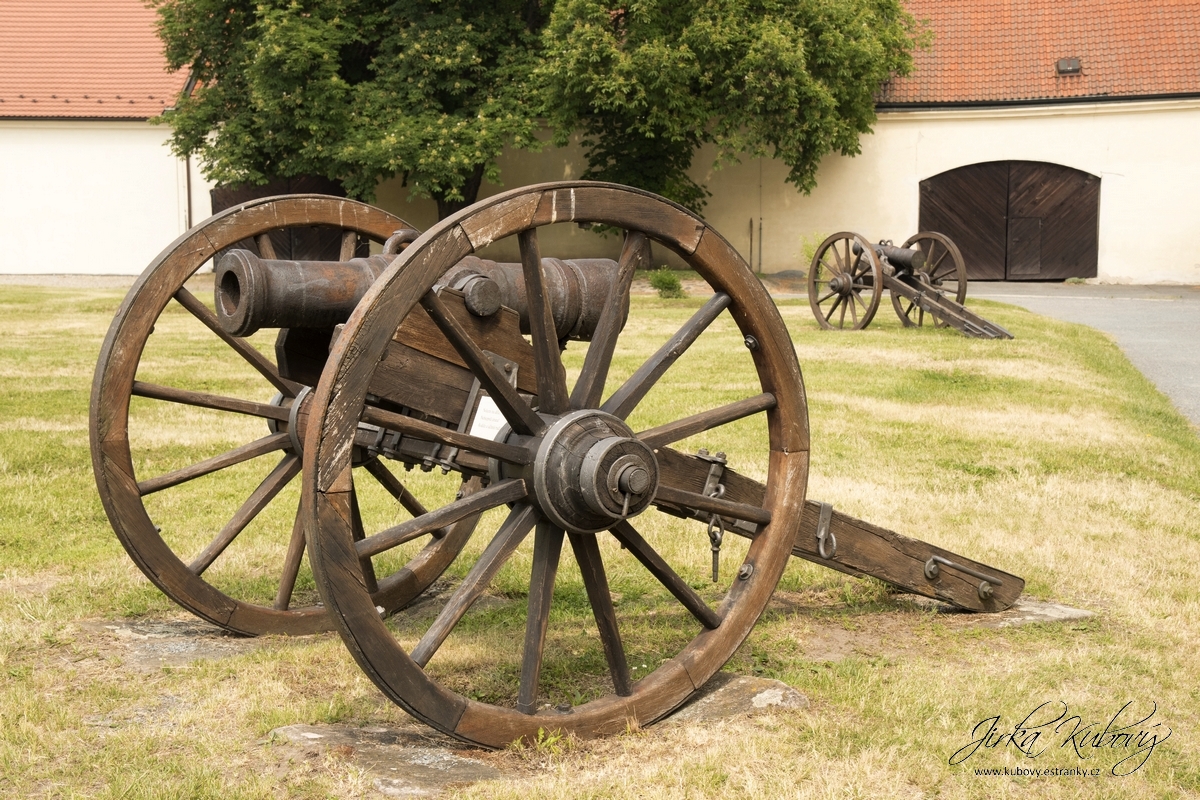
<point x="470" y="189"/>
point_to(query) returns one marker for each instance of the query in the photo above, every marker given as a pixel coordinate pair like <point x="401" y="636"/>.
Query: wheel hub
<point x="590" y="471"/>
<point x="840" y="283"/>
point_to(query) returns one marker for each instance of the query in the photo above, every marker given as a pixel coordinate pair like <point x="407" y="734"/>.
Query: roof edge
<point x="49" y="118"/>
<point x="1045" y="101"/>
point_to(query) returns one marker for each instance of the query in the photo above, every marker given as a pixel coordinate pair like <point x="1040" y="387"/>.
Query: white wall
<point x="91" y="197"/>
<point x="106" y="197"/>
<point x="1145" y="153"/>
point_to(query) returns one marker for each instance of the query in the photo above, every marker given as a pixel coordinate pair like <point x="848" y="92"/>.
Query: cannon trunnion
<point x="421" y="424"/>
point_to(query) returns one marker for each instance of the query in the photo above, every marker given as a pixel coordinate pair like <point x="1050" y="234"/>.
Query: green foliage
<point x="667" y="283"/>
<point x="354" y="90"/>
<point x="651" y="81"/>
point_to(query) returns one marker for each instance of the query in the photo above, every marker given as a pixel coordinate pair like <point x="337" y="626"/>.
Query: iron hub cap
<point x="590" y="472"/>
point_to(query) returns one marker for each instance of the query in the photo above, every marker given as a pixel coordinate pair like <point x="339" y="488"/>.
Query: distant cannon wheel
<point x="845" y="282"/>
<point x="569" y="472"/>
<point x="944" y="271"/>
<point x="195" y="454"/>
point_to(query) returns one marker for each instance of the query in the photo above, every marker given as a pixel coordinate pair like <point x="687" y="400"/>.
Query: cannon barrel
<point x="902" y="258"/>
<point x="252" y="293"/>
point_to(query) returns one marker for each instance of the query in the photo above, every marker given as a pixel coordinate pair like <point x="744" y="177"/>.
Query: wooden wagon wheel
<point x="550" y="470"/>
<point x="943" y="264"/>
<point x="845" y="282"/>
<point x="137" y="458"/>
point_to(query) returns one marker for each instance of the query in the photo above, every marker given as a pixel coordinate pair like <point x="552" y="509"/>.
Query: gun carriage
<point x="926" y="278"/>
<point x="431" y="358"/>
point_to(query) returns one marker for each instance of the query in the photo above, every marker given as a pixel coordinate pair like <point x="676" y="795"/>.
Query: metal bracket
<point x="446" y="462"/>
<point x="932" y="571"/>
<point x="824" y="533"/>
<point x="714" y="488"/>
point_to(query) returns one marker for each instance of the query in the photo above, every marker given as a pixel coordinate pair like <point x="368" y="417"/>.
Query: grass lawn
<point x="1048" y="456"/>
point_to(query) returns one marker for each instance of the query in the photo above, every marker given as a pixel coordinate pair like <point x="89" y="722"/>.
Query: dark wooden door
<point x="970" y="205"/>
<point x="1017" y="220"/>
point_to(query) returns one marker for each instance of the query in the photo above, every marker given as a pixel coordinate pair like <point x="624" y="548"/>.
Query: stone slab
<point x="1027" y="610"/>
<point x="1023" y="612"/>
<point x="402" y="761"/>
<point x="727" y="695"/>
<point x="149" y="645"/>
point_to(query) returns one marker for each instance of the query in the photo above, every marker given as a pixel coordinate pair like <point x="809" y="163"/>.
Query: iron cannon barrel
<point x="252" y="293"/>
<point x="902" y="258"/>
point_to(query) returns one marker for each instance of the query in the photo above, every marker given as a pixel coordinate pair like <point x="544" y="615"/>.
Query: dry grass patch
<point x="1048" y="456"/>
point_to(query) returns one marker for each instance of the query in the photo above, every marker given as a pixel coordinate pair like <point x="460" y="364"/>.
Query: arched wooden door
<point x="1017" y="220"/>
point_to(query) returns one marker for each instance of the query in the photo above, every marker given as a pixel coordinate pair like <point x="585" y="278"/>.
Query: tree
<point x="355" y="90"/>
<point x="651" y="81"/>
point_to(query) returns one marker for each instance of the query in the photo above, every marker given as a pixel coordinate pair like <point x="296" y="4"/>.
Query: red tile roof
<point x="998" y="51"/>
<point x="83" y="59"/>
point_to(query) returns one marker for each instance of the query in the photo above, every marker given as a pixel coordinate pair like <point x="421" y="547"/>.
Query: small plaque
<point x="488" y="419"/>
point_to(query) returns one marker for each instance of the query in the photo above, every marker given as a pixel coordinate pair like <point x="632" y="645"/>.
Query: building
<point x="87" y="184"/>
<point x="1048" y="139"/>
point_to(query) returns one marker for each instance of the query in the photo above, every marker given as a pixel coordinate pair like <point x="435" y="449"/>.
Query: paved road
<point x="1158" y="327"/>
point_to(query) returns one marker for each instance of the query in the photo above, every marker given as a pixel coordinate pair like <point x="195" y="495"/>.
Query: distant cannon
<point x="848" y="275"/>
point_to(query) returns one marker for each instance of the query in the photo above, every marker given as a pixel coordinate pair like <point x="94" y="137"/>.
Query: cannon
<point x="848" y="275"/>
<point x="440" y="433"/>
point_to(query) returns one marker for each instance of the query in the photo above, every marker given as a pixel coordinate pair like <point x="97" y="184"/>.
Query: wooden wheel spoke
<point x="837" y="257"/>
<point x="512" y="532"/>
<point x="287" y="469"/>
<point x="706" y="420"/>
<point x="626" y="398"/>
<point x="291" y="566"/>
<point x="833" y="307"/>
<point x="712" y="505"/>
<point x="523" y="419"/>
<point x="267" y="444"/>
<point x="358" y="533"/>
<point x="853" y="310"/>
<point x="213" y="401"/>
<point x="547" y="355"/>
<point x="395" y="488"/>
<point x="591" y="565"/>
<point x="842" y="316"/>
<point x="658" y="567"/>
<point x="547" y="547"/>
<point x="429" y="432"/>
<point x="590" y="385"/>
<point x="825" y="296"/>
<point x="240" y="346"/>
<point x="938" y="261"/>
<point x="348" y="246"/>
<point x="265" y="248"/>
<point x="497" y="494"/>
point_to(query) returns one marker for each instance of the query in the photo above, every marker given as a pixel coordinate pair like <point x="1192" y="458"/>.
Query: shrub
<point x="667" y="283"/>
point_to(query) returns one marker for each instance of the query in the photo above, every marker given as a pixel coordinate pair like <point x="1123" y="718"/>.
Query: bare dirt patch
<point x="150" y="645"/>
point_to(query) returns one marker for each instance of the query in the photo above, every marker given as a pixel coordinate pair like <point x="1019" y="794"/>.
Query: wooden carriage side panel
<point x="970" y="205"/>
<point x="1054" y="215"/>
